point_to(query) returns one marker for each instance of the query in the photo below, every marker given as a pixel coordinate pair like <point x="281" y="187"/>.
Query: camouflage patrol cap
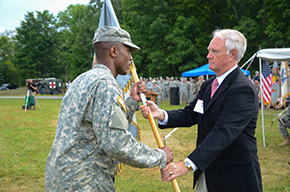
<point x="114" y="34"/>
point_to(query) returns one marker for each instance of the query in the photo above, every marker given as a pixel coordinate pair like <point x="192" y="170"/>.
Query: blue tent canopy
<point x="204" y="70"/>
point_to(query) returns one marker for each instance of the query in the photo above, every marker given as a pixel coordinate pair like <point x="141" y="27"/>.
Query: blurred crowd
<point x="187" y="87"/>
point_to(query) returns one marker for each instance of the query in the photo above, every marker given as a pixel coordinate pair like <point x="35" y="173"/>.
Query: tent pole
<point x="251" y="59"/>
<point x="262" y="102"/>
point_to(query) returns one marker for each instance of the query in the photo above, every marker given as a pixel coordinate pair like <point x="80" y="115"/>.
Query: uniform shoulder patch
<point x="122" y="103"/>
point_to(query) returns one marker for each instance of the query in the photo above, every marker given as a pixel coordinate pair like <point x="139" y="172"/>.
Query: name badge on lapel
<point x="198" y="106"/>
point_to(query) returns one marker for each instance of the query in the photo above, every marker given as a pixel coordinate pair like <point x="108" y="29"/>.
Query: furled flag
<point x="275" y="83"/>
<point x="284" y="73"/>
<point x="108" y="18"/>
<point x="266" y="77"/>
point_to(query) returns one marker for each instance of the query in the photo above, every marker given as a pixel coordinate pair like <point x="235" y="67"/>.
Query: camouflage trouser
<point x="158" y="100"/>
<point x="185" y="97"/>
<point x="283" y="128"/>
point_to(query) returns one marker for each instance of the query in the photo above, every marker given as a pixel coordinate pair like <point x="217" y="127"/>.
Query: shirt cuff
<point x="164" y="122"/>
<point x="194" y="167"/>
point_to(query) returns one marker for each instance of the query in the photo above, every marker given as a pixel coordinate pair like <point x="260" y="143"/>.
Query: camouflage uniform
<point x="192" y="90"/>
<point x="285" y="123"/>
<point x="157" y="90"/>
<point x="92" y="136"/>
<point x="185" y="92"/>
<point x="166" y="89"/>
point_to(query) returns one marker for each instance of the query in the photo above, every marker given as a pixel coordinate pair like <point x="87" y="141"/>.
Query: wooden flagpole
<point x="151" y="120"/>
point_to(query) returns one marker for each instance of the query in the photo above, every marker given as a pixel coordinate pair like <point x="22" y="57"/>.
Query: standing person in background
<point x="171" y="83"/>
<point x="166" y="88"/>
<point x="67" y="85"/>
<point x="157" y="90"/>
<point x="256" y="77"/>
<point x="192" y="90"/>
<point x="199" y="82"/>
<point x="226" y="110"/>
<point x="92" y="134"/>
<point x="32" y="87"/>
<point x="177" y="82"/>
<point x="185" y="91"/>
<point x="149" y="84"/>
<point x="161" y="85"/>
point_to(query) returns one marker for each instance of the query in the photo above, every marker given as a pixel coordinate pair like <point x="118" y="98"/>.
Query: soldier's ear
<point x="113" y="51"/>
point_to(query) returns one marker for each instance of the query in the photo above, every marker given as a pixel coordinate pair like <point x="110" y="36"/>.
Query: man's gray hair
<point x="234" y="40"/>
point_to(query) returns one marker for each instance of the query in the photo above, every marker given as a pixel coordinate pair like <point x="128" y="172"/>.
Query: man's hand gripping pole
<point x="151" y="120"/>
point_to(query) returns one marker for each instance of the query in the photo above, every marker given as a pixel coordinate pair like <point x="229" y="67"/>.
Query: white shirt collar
<point x="223" y="76"/>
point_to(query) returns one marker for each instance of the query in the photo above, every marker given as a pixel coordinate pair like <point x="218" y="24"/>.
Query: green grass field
<point x="26" y="138"/>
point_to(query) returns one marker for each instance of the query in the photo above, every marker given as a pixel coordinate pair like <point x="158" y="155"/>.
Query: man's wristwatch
<point x="187" y="164"/>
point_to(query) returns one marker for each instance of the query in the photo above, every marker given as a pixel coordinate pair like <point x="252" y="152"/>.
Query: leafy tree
<point x="77" y="25"/>
<point x="8" y="71"/>
<point x="173" y="35"/>
<point x="169" y="36"/>
<point x="277" y="13"/>
<point x="37" y="43"/>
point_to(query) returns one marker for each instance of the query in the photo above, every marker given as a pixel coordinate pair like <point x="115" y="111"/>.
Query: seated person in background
<point x="284" y="123"/>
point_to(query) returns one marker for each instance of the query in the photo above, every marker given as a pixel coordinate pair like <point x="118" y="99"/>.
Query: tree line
<point x="173" y="35"/>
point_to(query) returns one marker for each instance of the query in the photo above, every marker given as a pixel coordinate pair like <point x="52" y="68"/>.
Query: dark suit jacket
<point x="226" y="145"/>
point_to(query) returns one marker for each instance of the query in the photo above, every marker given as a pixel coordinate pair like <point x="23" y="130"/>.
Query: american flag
<point x="266" y="83"/>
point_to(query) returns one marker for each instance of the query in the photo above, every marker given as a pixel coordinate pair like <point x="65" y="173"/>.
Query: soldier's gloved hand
<point x="169" y="154"/>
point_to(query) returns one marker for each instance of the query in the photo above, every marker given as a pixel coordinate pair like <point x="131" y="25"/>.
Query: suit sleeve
<point x="235" y="119"/>
<point x="184" y="117"/>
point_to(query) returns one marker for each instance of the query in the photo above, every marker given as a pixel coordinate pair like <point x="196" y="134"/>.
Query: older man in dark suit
<point x="225" y="110"/>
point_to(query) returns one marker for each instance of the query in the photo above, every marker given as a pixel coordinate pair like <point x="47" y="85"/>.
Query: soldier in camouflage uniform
<point x="166" y="88"/>
<point x="91" y="134"/>
<point x="185" y="91"/>
<point x="199" y="82"/>
<point x="157" y="90"/>
<point x="192" y="90"/>
<point x="284" y="123"/>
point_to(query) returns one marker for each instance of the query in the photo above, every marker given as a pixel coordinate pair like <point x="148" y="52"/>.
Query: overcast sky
<point x="12" y="11"/>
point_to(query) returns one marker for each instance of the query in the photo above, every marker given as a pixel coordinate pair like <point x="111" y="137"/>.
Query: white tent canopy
<point x="275" y="54"/>
<point x="278" y="54"/>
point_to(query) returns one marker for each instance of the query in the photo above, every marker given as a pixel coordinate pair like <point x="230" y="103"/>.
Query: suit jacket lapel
<point x="206" y="98"/>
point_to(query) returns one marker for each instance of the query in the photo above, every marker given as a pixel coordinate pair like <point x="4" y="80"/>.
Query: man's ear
<point x="233" y="54"/>
<point x="113" y="51"/>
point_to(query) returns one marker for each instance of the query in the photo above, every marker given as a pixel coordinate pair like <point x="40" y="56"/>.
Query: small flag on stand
<point x="266" y="77"/>
<point x="275" y="83"/>
<point x="284" y="73"/>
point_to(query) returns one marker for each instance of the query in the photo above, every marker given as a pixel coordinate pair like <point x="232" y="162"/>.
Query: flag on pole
<point x="275" y="83"/>
<point x="107" y="18"/>
<point x="284" y="73"/>
<point x="266" y="77"/>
